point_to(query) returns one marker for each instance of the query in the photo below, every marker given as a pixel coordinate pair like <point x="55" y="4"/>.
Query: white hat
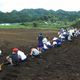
<point x="55" y="38"/>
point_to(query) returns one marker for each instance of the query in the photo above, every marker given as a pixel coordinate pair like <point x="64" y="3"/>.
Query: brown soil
<point x="62" y="63"/>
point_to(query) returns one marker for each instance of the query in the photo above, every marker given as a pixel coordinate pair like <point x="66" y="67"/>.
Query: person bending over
<point x="17" y="56"/>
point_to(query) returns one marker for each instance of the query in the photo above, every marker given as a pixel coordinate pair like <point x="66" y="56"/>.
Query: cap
<point x="15" y="49"/>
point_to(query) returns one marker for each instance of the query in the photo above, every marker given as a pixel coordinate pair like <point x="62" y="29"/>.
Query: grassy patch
<point x="38" y="25"/>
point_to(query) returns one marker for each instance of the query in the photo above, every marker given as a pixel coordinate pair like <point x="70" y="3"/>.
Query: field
<point x="62" y="63"/>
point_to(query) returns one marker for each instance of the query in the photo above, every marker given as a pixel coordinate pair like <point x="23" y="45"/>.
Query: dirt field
<point x="62" y="63"/>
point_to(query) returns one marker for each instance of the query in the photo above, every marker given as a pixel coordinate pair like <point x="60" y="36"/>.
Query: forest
<point x="29" y="15"/>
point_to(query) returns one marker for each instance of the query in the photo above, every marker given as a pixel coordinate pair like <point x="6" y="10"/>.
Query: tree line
<point x="28" y="15"/>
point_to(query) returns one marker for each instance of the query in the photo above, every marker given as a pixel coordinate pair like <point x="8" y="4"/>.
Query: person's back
<point x="35" y="55"/>
<point x="44" y="40"/>
<point x="34" y="52"/>
<point x="21" y="55"/>
<point x="13" y="58"/>
<point x="56" y="42"/>
<point x="49" y="44"/>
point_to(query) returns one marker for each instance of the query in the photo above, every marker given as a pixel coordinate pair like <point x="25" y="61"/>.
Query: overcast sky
<point x="67" y="5"/>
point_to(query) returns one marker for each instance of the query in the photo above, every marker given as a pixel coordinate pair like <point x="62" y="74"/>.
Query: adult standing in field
<point x="40" y="43"/>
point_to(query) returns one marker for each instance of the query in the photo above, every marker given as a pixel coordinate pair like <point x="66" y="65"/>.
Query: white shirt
<point x="44" y="40"/>
<point x="34" y="51"/>
<point x="54" y="43"/>
<point x="71" y="31"/>
<point x="45" y="46"/>
<point x="0" y="52"/>
<point x="61" y="36"/>
<point x="21" y="55"/>
<point x="48" y="43"/>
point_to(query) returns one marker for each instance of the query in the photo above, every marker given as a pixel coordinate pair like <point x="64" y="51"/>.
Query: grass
<point x="39" y="25"/>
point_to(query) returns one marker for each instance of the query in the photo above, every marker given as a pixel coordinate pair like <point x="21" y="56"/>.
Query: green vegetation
<point x="39" y="18"/>
<point x="37" y="25"/>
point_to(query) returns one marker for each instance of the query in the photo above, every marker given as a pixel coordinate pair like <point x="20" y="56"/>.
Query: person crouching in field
<point x="35" y="54"/>
<point x="56" y="42"/>
<point x="46" y="44"/>
<point x="16" y="57"/>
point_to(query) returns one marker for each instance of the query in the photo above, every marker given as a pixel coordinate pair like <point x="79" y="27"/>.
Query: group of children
<point x="44" y="44"/>
<point x="63" y="35"/>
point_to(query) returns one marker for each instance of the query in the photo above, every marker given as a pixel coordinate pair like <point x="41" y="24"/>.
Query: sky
<point x="67" y="5"/>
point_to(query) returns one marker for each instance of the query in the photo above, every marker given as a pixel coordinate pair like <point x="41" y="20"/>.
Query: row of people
<point x="18" y="56"/>
<point x="64" y="35"/>
<point x="43" y="45"/>
<point x="67" y="34"/>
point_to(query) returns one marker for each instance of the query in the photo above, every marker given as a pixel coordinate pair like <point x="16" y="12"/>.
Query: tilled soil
<point x="62" y="63"/>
